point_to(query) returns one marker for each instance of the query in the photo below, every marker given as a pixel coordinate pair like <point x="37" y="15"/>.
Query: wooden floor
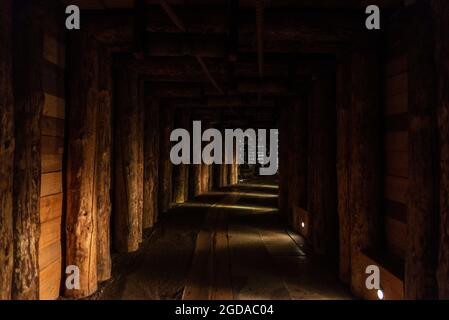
<point x="226" y="244"/>
<point x="243" y="252"/>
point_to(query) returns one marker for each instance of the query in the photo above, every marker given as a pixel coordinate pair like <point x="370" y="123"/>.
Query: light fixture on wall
<point x="303" y="225"/>
<point x="380" y="294"/>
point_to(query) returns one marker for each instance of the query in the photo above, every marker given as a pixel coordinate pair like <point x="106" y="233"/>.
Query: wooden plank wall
<point x="396" y="140"/>
<point x="52" y="126"/>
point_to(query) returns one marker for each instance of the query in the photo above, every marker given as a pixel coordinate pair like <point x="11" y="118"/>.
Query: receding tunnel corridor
<point x="225" y="244"/>
<point x="224" y="150"/>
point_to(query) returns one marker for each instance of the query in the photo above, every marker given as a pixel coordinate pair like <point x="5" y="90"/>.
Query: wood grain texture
<point x="51" y="183"/>
<point x="103" y="164"/>
<point x="151" y="162"/>
<point x="128" y="195"/>
<point x="81" y="215"/>
<point x="52" y="127"/>
<point x="343" y="164"/>
<point x="365" y="178"/>
<point x="53" y="107"/>
<point x="180" y="172"/>
<point x="50" y="281"/>
<point x="422" y="230"/>
<point x="321" y="185"/>
<point x="441" y="18"/>
<point x="195" y="179"/>
<point x="54" y="50"/>
<point x="29" y="101"/>
<point x="51" y="207"/>
<point x="7" y="144"/>
<point x="51" y="232"/>
<point x="165" y="165"/>
<point x="396" y="236"/>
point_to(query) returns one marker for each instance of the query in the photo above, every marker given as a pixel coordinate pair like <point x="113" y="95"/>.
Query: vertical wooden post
<point x="103" y="164"/>
<point x="165" y="165"/>
<point x="180" y="172"/>
<point x="224" y="175"/>
<point x="230" y="173"/>
<point x="7" y="150"/>
<point x="140" y="102"/>
<point x="441" y="18"/>
<point x="343" y="164"/>
<point x="217" y="175"/>
<point x="291" y="161"/>
<point x="421" y="250"/>
<point x="211" y="177"/>
<point x="81" y="216"/>
<point x="364" y="177"/>
<point x="151" y="175"/>
<point x="29" y="100"/>
<point x="322" y="173"/>
<point x="195" y="179"/>
<point x="234" y="169"/>
<point x="204" y="178"/>
<point x="284" y="163"/>
<point x="298" y="162"/>
<point x="128" y="162"/>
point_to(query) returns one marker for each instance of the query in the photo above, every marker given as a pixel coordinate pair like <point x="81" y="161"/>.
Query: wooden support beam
<point x="184" y="69"/>
<point x="113" y="29"/>
<point x="233" y="172"/>
<point x="208" y="74"/>
<point x="280" y="24"/>
<point x="217" y="175"/>
<point x="81" y="215"/>
<point x="321" y="188"/>
<point x="128" y="162"/>
<point x="210" y="185"/>
<point x="244" y="101"/>
<point x="284" y="30"/>
<point x="178" y="22"/>
<point x="195" y="180"/>
<point x="29" y="101"/>
<point x="165" y="164"/>
<point x="180" y="172"/>
<point x="172" y="15"/>
<point x="140" y="131"/>
<point x="175" y="45"/>
<point x="364" y="189"/>
<point x="139" y="28"/>
<point x="233" y="34"/>
<point x="298" y="158"/>
<point x="103" y="161"/>
<point x="224" y="175"/>
<point x="441" y="18"/>
<point x="203" y="90"/>
<point x="284" y="131"/>
<point x="151" y="155"/>
<point x="7" y="144"/>
<point x="421" y="250"/>
<point x="205" y="178"/>
<point x="343" y="164"/>
<point x="260" y="15"/>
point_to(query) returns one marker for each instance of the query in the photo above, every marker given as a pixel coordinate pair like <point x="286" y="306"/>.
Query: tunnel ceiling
<point x="226" y="53"/>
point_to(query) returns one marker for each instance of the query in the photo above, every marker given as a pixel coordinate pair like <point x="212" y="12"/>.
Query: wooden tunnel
<point x="86" y="118"/>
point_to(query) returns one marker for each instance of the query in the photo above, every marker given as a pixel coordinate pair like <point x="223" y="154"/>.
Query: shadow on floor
<point x="262" y="259"/>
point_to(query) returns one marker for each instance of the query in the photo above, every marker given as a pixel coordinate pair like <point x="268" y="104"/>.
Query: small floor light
<point x="380" y="294"/>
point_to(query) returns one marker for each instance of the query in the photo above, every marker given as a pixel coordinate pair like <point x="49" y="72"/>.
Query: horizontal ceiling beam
<point x="189" y="89"/>
<point x="186" y="69"/>
<point x="206" y="30"/>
